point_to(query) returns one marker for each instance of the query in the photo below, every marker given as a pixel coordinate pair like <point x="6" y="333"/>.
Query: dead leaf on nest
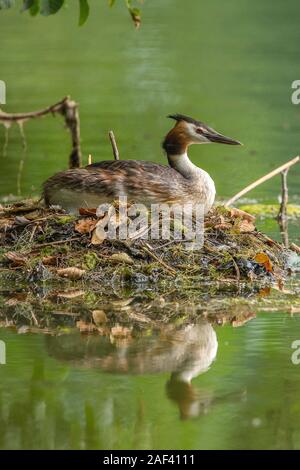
<point x="295" y="248"/>
<point x="246" y="226"/>
<point x="85" y="327"/>
<point x="85" y="225"/>
<point x="223" y="226"/>
<point x="71" y="273"/>
<point x="234" y="212"/>
<point x="49" y="260"/>
<point x="99" y="234"/>
<point x="107" y="218"/>
<point x="21" y="220"/>
<point x="265" y="292"/>
<point x="220" y="219"/>
<point x="97" y="238"/>
<point x="99" y="317"/>
<point x="121" y="258"/>
<point x="17" y="259"/>
<point x="33" y="215"/>
<point x="5" y="224"/>
<point x="13" y="301"/>
<point x="263" y="258"/>
<point x="70" y="294"/>
<point x="120" y="304"/>
<point x="219" y="222"/>
<point x="87" y="211"/>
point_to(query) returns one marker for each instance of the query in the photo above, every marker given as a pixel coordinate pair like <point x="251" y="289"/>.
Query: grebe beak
<point x="208" y="134"/>
<point x="220" y="139"/>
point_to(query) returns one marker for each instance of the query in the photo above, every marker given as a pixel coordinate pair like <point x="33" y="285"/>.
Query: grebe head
<point x="188" y="131"/>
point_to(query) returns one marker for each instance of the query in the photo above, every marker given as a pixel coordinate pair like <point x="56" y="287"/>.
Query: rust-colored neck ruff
<point x="176" y="141"/>
<point x="175" y="145"/>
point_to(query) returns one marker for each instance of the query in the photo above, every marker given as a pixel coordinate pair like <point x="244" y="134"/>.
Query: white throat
<point x="183" y="165"/>
<point x="204" y="183"/>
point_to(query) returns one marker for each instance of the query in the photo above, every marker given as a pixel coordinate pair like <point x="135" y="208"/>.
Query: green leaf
<point x="27" y="4"/>
<point x="111" y="2"/>
<point x="49" y="7"/>
<point x="6" y="4"/>
<point x="135" y="11"/>
<point x="135" y="14"/>
<point x="83" y="12"/>
<point x="35" y="8"/>
<point x="32" y="5"/>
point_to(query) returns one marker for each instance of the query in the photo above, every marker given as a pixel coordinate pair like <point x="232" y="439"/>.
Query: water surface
<point x="231" y="67"/>
<point x="193" y="385"/>
<point x="200" y="386"/>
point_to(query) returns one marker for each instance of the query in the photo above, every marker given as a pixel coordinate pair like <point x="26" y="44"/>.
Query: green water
<point x="231" y="66"/>
<point x="83" y="392"/>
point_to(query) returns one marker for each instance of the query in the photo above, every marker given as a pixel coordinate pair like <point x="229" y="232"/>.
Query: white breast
<point x="203" y="185"/>
<point x="208" y="189"/>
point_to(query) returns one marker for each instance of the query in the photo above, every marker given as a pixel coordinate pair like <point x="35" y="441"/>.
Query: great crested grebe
<point x="142" y="181"/>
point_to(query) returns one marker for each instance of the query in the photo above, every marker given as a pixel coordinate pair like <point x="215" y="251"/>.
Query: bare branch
<point x="282" y="216"/>
<point x="262" y="180"/>
<point x="68" y="109"/>
<point x="33" y="114"/>
<point x="114" y="145"/>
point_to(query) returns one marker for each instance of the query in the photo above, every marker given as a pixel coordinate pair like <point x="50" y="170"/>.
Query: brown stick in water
<point x="262" y="180"/>
<point x="282" y="215"/>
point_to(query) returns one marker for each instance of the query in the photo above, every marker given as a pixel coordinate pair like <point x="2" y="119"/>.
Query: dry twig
<point x="114" y="145"/>
<point x="282" y="216"/>
<point x="68" y="109"/>
<point x="261" y="180"/>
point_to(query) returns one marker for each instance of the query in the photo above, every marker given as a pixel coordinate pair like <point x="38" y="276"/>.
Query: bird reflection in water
<point x="184" y="352"/>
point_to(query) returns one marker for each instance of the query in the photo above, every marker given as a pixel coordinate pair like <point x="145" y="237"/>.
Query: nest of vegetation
<point x="42" y="244"/>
